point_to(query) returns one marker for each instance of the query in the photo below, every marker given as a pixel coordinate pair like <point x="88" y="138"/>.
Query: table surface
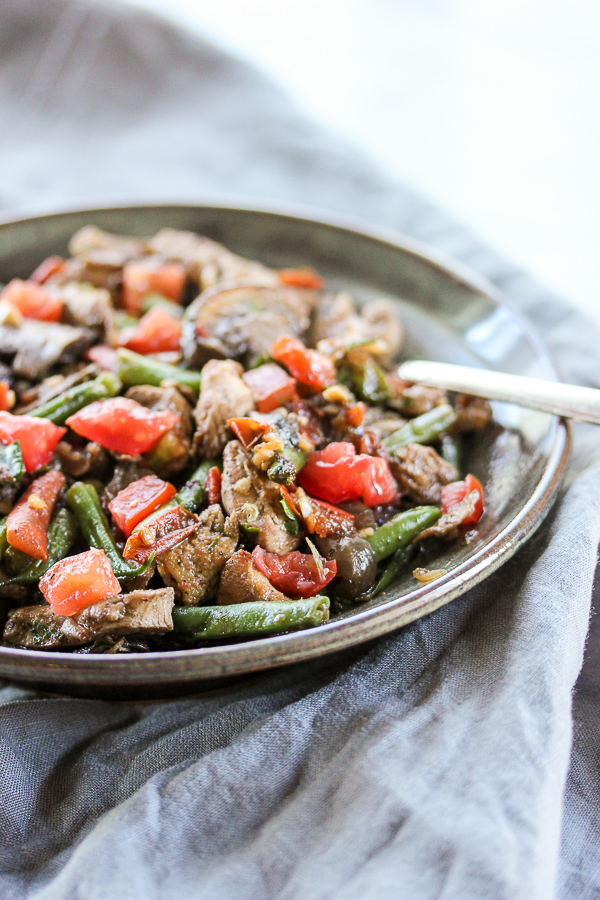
<point x="492" y="110"/>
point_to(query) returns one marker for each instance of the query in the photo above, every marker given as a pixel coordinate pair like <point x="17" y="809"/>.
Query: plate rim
<point x="365" y="624"/>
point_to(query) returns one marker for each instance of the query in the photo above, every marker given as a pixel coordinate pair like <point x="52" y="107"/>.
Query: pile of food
<point x="195" y="447"/>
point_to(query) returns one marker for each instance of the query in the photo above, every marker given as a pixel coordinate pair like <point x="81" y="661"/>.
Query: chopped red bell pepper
<point x="302" y="278"/>
<point x="105" y="357"/>
<point x="138" y="500"/>
<point x="213" y="485"/>
<point x="271" y="386"/>
<point x="27" y="522"/>
<point x="122" y="425"/>
<point x="32" y="300"/>
<point x="295" y="574"/>
<point x="337" y="473"/>
<point x="37" y="437"/>
<point x="76" y="582"/>
<point x="248" y="430"/>
<point x="309" y="367"/>
<point x="330" y="520"/>
<point x="158" y="331"/>
<point x="5" y="400"/>
<point x="46" y="269"/>
<point x="149" y="276"/>
<point x="455" y="493"/>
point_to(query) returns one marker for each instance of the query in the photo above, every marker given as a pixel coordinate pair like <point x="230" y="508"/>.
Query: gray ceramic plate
<point x="449" y="314"/>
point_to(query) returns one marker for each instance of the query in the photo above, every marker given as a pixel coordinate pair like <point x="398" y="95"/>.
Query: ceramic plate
<point x="449" y="314"/>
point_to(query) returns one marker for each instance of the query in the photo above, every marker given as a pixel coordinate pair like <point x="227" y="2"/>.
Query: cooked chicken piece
<point x="172" y="452"/>
<point x="139" y="612"/>
<point x="206" y="261"/>
<point x="242" y="583"/>
<point x="194" y="565"/>
<point x="255" y="500"/>
<point x="421" y="473"/>
<point x="104" y="249"/>
<point x="339" y="322"/>
<point x="472" y="413"/>
<point x="243" y="321"/>
<point x="223" y="396"/>
<point x="447" y="525"/>
<point x="90" y="307"/>
<point x="91" y="459"/>
<point x="37" y="346"/>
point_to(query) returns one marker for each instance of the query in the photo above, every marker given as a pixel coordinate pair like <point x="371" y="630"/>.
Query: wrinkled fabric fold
<point x="429" y="764"/>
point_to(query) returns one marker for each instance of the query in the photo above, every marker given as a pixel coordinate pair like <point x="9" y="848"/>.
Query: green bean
<point x="59" y="408"/>
<point x="11" y="463"/>
<point x="401" y="530"/>
<point x="422" y="430"/>
<point x="61" y="537"/>
<point x="246" y="620"/>
<point x="286" y="465"/>
<point x="85" y="504"/>
<point x="450" y="451"/>
<point x="137" y="369"/>
<point x="3" y="537"/>
<point x="396" y="562"/>
<point x="367" y="380"/>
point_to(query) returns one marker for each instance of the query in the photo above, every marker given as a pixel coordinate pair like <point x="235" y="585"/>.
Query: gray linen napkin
<point x="429" y="764"/>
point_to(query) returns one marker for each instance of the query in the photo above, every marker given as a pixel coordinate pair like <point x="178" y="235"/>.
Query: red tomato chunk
<point x="455" y="493"/>
<point x="32" y="300"/>
<point x="337" y="473"/>
<point x="295" y="574"/>
<point x="149" y="276"/>
<point x="159" y="331"/>
<point x="76" y="582"/>
<point x="271" y="386"/>
<point x="138" y="500"/>
<point x="37" y="437"/>
<point x="27" y="523"/>
<point x="309" y="367"/>
<point x="122" y="425"/>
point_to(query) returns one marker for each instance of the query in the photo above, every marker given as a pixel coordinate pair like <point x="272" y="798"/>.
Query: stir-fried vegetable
<point x="37" y="438"/>
<point x="79" y="581"/>
<point x="138" y="500"/>
<point x="27" y="523"/>
<point x="246" y="620"/>
<point x="122" y="425"/>
<point x="263" y="409"/>
<point x="338" y="473"/>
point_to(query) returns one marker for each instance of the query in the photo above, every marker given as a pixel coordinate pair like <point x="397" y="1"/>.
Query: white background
<point x="489" y="107"/>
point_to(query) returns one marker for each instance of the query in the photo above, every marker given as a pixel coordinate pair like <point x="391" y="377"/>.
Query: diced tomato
<point x="248" y="430"/>
<point x="5" y="398"/>
<point x="337" y="473"/>
<point x="76" y="582"/>
<point x="302" y="278"/>
<point x="27" y="522"/>
<point x="156" y="332"/>
<point x="46" y="269"/>
<point x="149" y="276"/>
<point x="271" y="386"/>
<point x="138" y="500"/>
<point x="295" y="574"/>
<point x="330" y="520"/>
<point x="105" y="357"/>
<point x="161" y="534"/>
<point x="213" y="485"/>
<point x="455" y="493"/>
<point x="32" y="300"/>
<point x="122" y="425"/>
<point x="37" y="437"/>
<point x="309" y="367"/>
